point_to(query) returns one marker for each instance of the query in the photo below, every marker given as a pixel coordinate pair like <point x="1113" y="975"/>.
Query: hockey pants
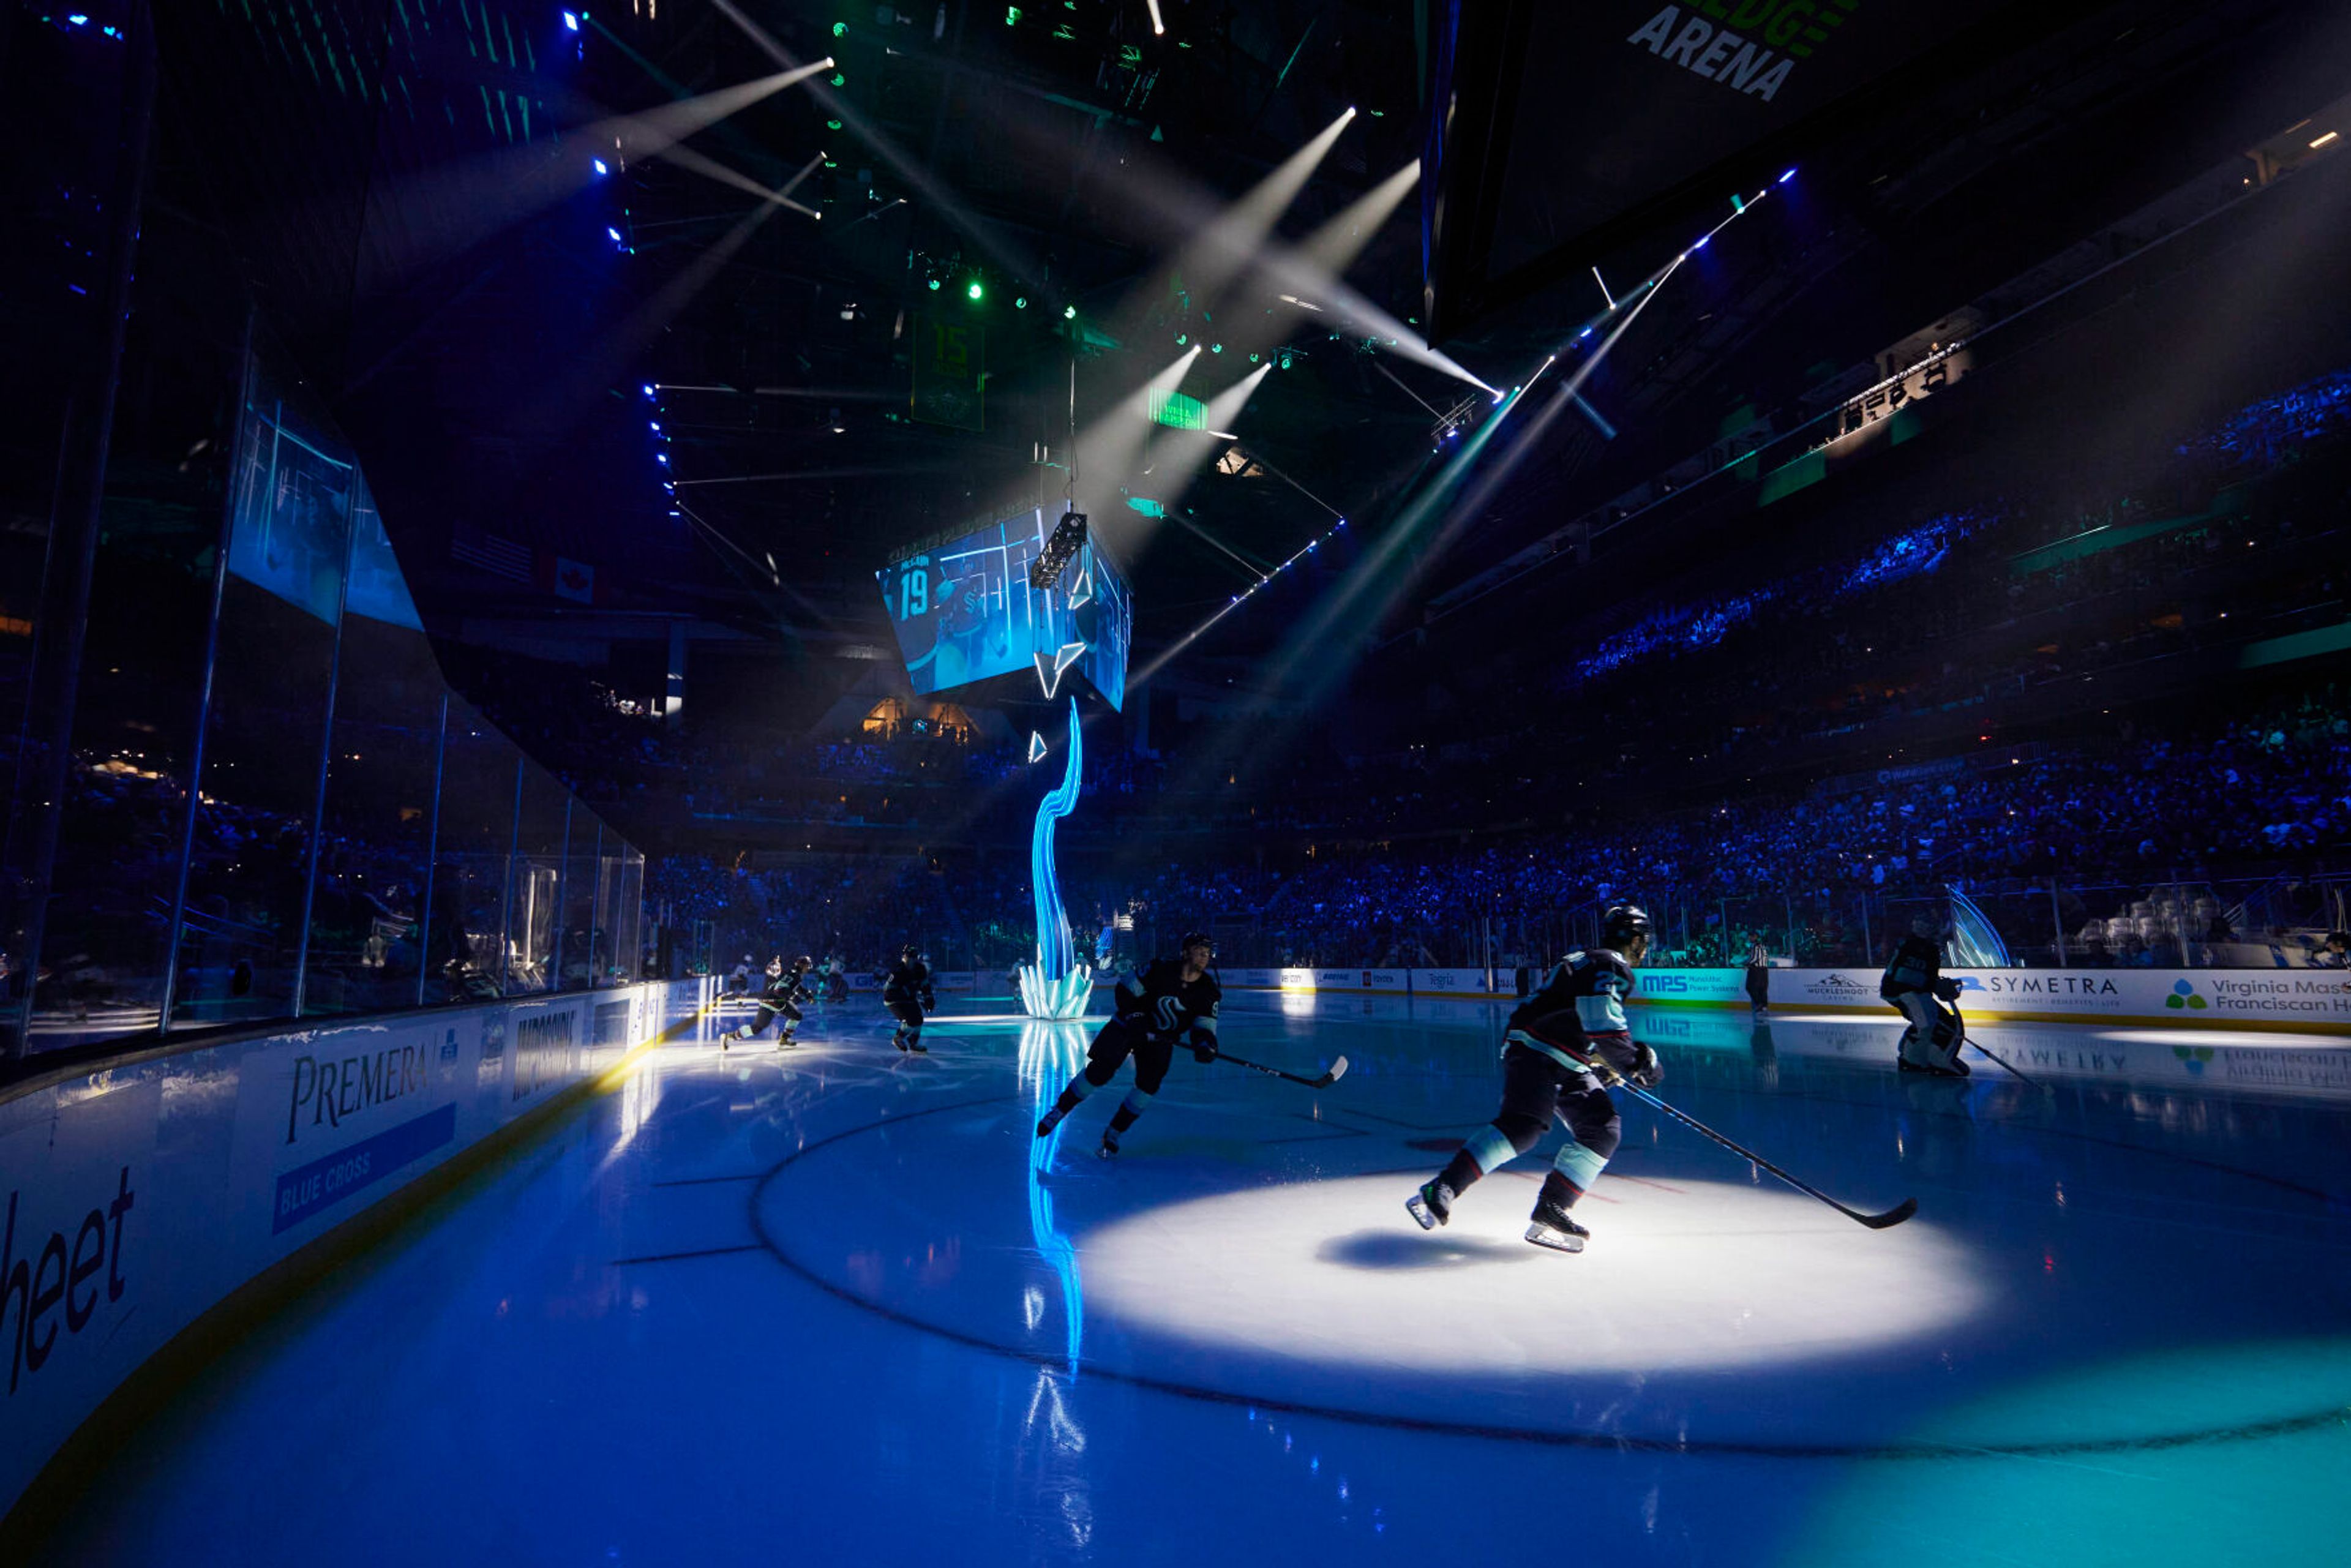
<point x="1536" y="1088"/>
<point x="1116" y="1042"/>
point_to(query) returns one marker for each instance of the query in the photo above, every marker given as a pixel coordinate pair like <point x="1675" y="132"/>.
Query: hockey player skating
<point x="1915" y="985"/>
<point x="1575" y="1018"/>
<point x="780" y="999"/>
<point x="1174" y="999"/>
<point x="906" y="992"/>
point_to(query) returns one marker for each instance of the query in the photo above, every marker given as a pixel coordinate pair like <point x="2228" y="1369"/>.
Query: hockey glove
<point x="1648" y="1071"/>
<point x="1949" y="990"/>
<point x="1204" y="1048"/>
<point x="930" y="1000"/>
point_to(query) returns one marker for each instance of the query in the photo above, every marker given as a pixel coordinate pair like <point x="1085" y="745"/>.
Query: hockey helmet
<point x="1198" y="940"/>
<point x="776" y="965"/>
<point x="1623" y="923"/>
<point x="803" y="963"/>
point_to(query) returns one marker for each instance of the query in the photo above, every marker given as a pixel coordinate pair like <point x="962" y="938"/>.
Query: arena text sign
<point x="1751" y="47"/>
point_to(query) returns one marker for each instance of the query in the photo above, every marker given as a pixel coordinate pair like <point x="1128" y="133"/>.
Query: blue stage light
<point x="1786" y="177"/>
<point x="662" y="457"/>
<point x="1701" y="243"/>
<point x="599" y="166"/>
<point x="571" y="20"/>
<point x="1585" y="333"/>
<point x="614" y="233"/>
<point x="649" y="388"/>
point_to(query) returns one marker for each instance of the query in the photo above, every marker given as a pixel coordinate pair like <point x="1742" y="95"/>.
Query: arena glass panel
<point x="478" y="773"/>
<point x="273" y="684"/>
<point x="115" y="883"/>
<point x="367" y="902"/>
<point x="534" y="902"/>
<point x="584" y="837"/>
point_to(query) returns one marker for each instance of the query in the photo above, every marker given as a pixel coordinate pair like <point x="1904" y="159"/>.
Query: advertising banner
<point x="1448" y="983"/>
<point x="1336" y="980"/>
<point x="2302" y="1000"/>
<point x="126" y="1238"/>
<point x="1248" y="979"/>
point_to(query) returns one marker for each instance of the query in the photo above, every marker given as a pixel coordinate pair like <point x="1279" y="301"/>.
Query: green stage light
<point x="1182" y="339"/>
<point x="1021" y="302"/>
<point x="838" y="80"/>
<point x="1216" y="348"/>
<point x="1069" y="312"/>
<point x="972" y="290"/>
<point x="832" y="125"/>
<point x="838" y="28"/>
<point x="935" y="286"/>
<point x="1253" y="359"/>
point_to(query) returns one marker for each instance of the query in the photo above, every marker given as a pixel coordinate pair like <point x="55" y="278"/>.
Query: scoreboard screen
<point x="964" y="611"/>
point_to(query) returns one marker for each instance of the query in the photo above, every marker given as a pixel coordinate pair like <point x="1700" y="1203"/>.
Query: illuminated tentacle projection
<point x="1056" y="985"/>
<point x="1051" y="1055"/>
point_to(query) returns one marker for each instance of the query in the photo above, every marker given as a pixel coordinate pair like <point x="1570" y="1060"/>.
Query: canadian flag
<point x="575" y="580"/>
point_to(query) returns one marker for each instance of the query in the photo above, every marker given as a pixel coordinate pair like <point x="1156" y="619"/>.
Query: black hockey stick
<point x="2026" y="1077"/>
<point x="1338" y="1071"/>
<point x="1892" y="1217"/>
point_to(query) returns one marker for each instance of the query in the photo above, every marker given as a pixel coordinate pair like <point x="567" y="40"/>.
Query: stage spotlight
<point x="973" y="290"/>
<point x="1182" y="339"/>
<point x="1021" y="302"/>
<point x="935" y="286"/>
<point x="1069" y="312"/>
<point x="598" y="163"/>
<point x="1216" y="348"/>
<point x="571" y="21"/>
<point x="1783" y="178"/>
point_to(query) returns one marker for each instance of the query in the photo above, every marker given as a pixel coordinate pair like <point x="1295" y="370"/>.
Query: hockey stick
<point x="1892" y="1217"/>
<point x="1338" y="1071"/>
<point x="2026" y="1077"/>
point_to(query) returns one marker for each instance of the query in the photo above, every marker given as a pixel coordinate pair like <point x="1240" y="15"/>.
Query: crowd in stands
<point x="1455" y="852"/>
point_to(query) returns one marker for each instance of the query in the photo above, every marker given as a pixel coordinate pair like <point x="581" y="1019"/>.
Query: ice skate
<point x="1048" y="1121"/>
<point x="1551" y="1227"/>
<point x="1108" y="1149"/>
<point x="1432" y="1206"/>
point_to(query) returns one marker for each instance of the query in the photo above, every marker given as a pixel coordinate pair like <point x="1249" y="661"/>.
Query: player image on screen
<point x="966" y="611"/>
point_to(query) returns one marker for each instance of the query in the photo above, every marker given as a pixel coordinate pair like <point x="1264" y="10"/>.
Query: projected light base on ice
<point x="1056" y="985"/>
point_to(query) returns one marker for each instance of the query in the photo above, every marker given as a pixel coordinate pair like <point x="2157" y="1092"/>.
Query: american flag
<point x="500" y="558"/>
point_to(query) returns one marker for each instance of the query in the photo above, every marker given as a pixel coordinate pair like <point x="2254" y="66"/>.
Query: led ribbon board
<point x="966" y="611"/>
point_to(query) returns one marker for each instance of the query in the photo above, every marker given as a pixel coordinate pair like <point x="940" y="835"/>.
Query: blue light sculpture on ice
<point x="1056" y="985"/>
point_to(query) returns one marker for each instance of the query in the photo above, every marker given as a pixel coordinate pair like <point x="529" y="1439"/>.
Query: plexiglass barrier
<point x="276" y="805"/>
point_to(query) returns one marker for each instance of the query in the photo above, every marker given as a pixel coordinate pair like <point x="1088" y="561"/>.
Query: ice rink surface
<point x="838" y="1304"/>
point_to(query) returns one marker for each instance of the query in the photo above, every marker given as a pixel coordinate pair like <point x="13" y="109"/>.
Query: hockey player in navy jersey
<point x="780" y="999"/>
<point x="1563" y="1043"/>
<point x="906" y="992"/>
<point x="1173" y="999"/>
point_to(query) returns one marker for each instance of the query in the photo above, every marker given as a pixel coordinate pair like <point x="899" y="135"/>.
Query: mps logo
<point x="1665" y="985"/>
<point x="2183" y="994"/>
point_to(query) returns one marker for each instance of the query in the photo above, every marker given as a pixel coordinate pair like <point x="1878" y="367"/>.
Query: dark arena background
<point x="1157" y="781"/>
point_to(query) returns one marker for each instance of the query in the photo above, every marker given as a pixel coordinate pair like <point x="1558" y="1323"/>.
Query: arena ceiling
<point x="1058" y="155"/>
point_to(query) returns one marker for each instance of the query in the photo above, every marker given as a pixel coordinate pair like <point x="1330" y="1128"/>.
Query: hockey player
<point x="1173" y="999"/>
<point x="780" y="999"/>
<point x="906" y="992"/>
<point x="1563" y="1043"/>
<point x="1915" y="986"/>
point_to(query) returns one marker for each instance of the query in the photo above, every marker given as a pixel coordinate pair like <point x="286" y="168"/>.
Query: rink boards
<point x="138" y="1197"/>
<point x="2307" y="1001"/>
